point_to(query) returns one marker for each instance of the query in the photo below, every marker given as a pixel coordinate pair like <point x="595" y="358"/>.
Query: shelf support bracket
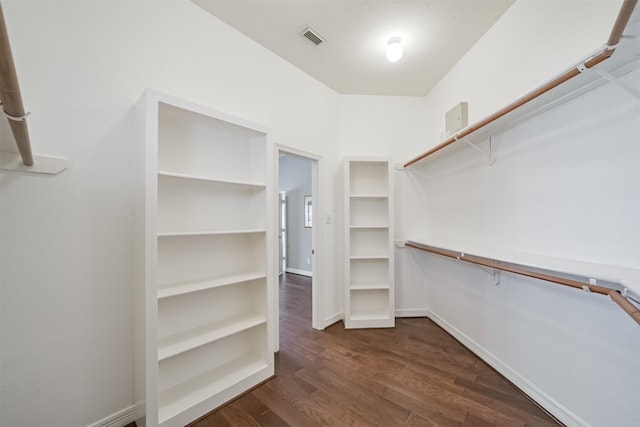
<point x="400" y="243"/>
<point x="493" y="272"/>
<point x="42" y="164"/>
<point x="400" y="167"/>
<point x="613" y="79"/>
<point x="489" y="155"/>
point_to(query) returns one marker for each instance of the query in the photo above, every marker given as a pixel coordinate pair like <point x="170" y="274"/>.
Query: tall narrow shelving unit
<point x="369" y="277"/>
<point x="207" y="275"/>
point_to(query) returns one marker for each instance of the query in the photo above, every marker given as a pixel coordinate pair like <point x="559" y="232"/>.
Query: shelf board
<point x="210" y="233"/>
<point x="369" y="257"/>
<point x="369" y="196"/>
<point x="369" y="316"/>
<point x="256" y="185"/>
<point x="370" y="287"/>
<point x="182" y="288"/>
<point x="177" y="399"/>
<point x="194" y="338"/>
<point x="369" y="226"/>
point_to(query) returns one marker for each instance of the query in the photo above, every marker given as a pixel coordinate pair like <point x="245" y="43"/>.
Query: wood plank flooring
<point x="413" y="375"/>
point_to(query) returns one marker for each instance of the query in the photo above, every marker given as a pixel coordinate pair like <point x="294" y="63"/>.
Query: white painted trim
<point x="282" y="148"/>
<point x="122" y="417"/>
<point x="334" y="318"/>
<point x="300" y="272"/>
<point x="561" y="413"/>
<point x="412" y="312"/>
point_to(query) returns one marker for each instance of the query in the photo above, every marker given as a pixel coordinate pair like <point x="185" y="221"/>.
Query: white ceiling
<point x="435" y="35"/>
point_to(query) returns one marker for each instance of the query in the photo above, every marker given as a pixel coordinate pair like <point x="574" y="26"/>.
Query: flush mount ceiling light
<point x="394" y="49"/>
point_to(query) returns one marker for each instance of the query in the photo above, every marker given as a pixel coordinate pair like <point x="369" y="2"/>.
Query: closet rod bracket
<point x="399" y="166"/>
<point x="17" y="118"/>
<point x="42" y="164"/>
<point x="488" y="155"/>
<point x="493" y="272"/>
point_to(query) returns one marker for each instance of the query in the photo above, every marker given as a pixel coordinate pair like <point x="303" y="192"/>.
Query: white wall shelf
<point x="370" y="317"/>
<point x="187" y="287"/>
<point x="181" y="397"/>
<point x="209" y="233"/>
<point x="369" y="212"/>
<point x="206" y="260"/>
<point x="369" y="277"/>
<point x="194" y="205"/>
<point x="368" y="196"/>
<point x="255" y="185"/>
<point x="185" y="341"/>
<point x="369" y="257"/>
<point x="192" y="257"/>
<point x="369" y="287"/>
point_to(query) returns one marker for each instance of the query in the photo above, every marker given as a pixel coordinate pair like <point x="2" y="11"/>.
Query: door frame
<point x="317" y="238"/>
<point x="282" y="241"/>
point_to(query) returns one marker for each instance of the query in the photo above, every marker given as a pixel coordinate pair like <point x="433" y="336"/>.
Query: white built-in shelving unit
<point x="207" y="259"/>
<point x="369" y="277"/>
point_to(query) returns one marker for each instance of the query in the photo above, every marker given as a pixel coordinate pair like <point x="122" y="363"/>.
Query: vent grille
<point x="314" y="36"/>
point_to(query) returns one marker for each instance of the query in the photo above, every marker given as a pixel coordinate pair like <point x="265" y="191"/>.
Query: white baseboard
<point x="123" y="417"/>
<point x="336" y="317"/>
<point x="300" y="272"/>
<point x="412" y="312"/>
<point x="565" y="416"/>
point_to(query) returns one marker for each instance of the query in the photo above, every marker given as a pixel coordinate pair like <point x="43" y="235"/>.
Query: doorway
<point x="296" y="214"/>
<point x="300" y="226"/>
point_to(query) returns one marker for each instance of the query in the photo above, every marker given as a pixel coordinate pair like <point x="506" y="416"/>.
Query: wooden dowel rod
<point x="495" y="116"/>
<point x="509" y="267"/>
<point x="616" y="34"/>
<point x="626" y="10"/>
<point x="629" y="308"/>
<point x="10" y="95"/>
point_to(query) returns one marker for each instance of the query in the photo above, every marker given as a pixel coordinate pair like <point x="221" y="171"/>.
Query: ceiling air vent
<point x="311" y="34"/>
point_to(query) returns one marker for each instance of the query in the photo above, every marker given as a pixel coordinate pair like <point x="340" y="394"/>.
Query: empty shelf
<point x="179" y="343"/>
<point x="208" y="233"/>
<point x="196" y="390"/>
<point x="369" y="287"/>
<point x="204" y="284"/>
<point x="255" y="185"/>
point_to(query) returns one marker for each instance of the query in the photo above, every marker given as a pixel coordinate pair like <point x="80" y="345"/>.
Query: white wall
<point x="295" y="179"/>
<point x="532" y="42"/>
<point x="564" y="191"/>
<point x="66" y="241"/>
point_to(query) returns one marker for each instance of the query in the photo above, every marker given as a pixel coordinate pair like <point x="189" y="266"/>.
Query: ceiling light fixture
<point x="394" y="49"/>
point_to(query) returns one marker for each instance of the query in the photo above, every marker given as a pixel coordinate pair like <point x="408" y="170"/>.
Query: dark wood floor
<point x="413" y="375"/>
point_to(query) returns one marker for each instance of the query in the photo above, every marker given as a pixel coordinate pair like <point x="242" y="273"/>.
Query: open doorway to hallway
<point x="296" y="214"/>
<point x="299" y="227"/>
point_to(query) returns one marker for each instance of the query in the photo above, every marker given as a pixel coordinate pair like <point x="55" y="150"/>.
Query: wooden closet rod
<point x="614" y="294"/>
<point x="11" y="98"/>
<point x="614" y="38"/>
